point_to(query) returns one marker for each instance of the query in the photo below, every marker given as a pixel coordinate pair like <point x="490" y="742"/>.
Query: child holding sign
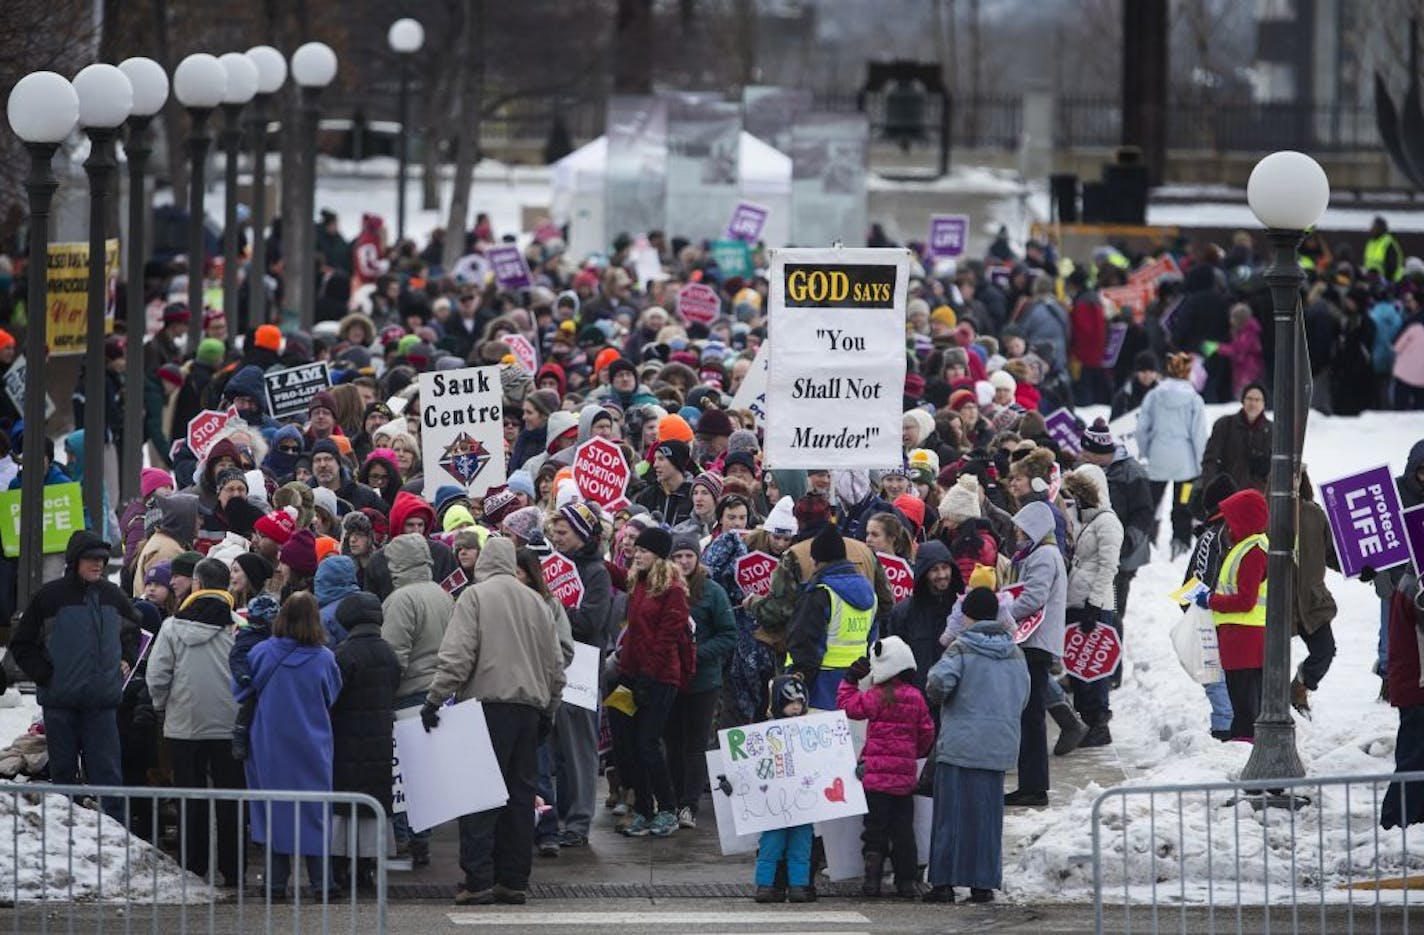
<point x="788" y="699"/>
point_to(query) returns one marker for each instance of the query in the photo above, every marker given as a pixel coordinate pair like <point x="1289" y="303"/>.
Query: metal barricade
<point x="113" y="859"/>
<point x="1301" y="855"/>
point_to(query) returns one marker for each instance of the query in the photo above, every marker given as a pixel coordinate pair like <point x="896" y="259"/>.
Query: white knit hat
<point x="961" y="502"/>
<point x="888" y="658"/>
<point x="781" y="521"/>
<point x="1003" y="380"/>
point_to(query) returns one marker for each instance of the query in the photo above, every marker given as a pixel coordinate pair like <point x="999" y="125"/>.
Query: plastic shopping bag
<point x="1194" y="638"/>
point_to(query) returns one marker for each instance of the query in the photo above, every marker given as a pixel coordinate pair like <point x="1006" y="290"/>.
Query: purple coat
<point x="898" y="735"/>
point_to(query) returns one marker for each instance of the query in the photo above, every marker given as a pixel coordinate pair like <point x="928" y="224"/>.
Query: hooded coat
<point x="1131" y="498"/>
<point x="898" y="733"/>
<point x="1239" y="449"/>
<point x="591" y="621"/>
<point x="188" y="673"/>
<point x="501" y="645"/>
<point x="177" y="522"/>
<point x="363" y="716"/>
<point x="280" y="464"/>
<point x="335" y="579"/>
<point x="807" y="638"/>
<point x="1171" y="431"/>
<point x="416" y="613"/>
<point x="1039" y="567"/>
<point x="1096" y="552"/>
<point x="919" y="619"/>
<point x="1243" y="647"/>
<point x="981" y="684"/>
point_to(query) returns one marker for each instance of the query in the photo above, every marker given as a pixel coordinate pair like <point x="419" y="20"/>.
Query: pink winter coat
<point x="1248" y="359"/>
<point x="898" y="734"/>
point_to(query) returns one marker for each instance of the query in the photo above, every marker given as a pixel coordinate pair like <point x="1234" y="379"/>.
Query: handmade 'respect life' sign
<point x="462" y="429"/>
<point x="1365" y="520"/>
<point x="791" y="771"/>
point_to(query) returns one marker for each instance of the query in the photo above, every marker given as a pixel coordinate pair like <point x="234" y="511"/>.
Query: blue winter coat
<point x="291" y="739"/>
<point x="981" y="684"/>
<point x="1046" y="321"/>
<point x="1171" y="431"/>
<point x="1388" y="320"/>
<point x="335" y="579"/>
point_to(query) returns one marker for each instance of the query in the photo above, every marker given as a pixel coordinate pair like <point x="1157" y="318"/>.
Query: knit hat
<point x="256" y="569"/>
<point x="961" y="398"/>
<point x="944" y="315"/>
<point x="524" y="522"/>
<point x="980" y="604"/>
<point x="710" y="480"/>
<point x="686" y="541"/>
<point x="543" y="401"/>
<point x="268" y="337"/>
<point x="159" y="573"/>
<point x="521" y="481"/>
<point x="500" y="501"/>
<point x="151" y="479"/>
<point x="277" y="526"/>
<point x="914" y="385"/>
<point x="656" y="540"/>
<point x="210" y="352"/>
<point x="676" y="452"/>
<point x="674" y="428"/>
<point x="322" y="400"/>
<point x="912" y="508"/>
<point x="326" y="545"/>
<point x="812" y="511"/>
<point x="175" y="313"/>
<point x="263" y="609"/>
<point x="784" y="691"/>
<point x="828" y="546"/>
<point x="6" y="339"/>
<point x="1003" y="380"/>
<point x="299" y="553"/>
<point x="1097" y="438"/>
<point x="715" y="422"/>
<point x="961" y="502"/>
<point x="618" y="365"/>
<point x="923" y="465"/>
<point x="580" y="518"/>
<point x="781" y="521"/>
<point x="743" y="458"/>
<point x="326" y="446"/>
<point x="325" y="500"/>
<point x="983" y="576"/>
<point x="888" y="658"/>
<point x="184" y="563"/>
<point x="169" y="373"/>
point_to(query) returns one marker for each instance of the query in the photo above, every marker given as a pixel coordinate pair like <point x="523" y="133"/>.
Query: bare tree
<point x="469" y="97"/>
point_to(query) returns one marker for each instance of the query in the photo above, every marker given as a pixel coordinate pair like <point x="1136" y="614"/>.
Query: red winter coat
<point x="1243" y="647"/>
<point x="1027" y="396"/>
<point x="967" y="552"/>
<point x="1404" y="644"/>
<point x="656" y="626"/>
<point x="1089" y="330"/>
<point x="899" y="732"/>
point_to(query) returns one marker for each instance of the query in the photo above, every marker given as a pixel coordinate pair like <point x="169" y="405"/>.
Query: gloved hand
<point x="1209" y="348"/>
<point x="546" y="726"/>
<point x="1368" y="574"/>
<point x="1203" y="600"/>
<point x="430" y="716"/>
<point x="723" y="785"/>
<point x="857" y="670"/>
<point x="1088" y="619"/>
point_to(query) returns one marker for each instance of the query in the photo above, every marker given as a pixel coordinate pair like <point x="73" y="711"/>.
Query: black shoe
<point x="509" y="897"/>
<point x="419" y="853"/>
<point x="465" y="897"/>
<point x="770" y="894"/>
<point x="1029" y="799"/>
<point x="572" y="839"/>
<point x="873" y="875"/>
<point x="800" y="894"/>
<point x="977" y="895"/>
<point x="907" y="889"/>
<point x="548" y="848"/>
<point x="940" y="894"/>
<point x="1071" y="730"/>
<point x="239" y="742"/>
<point x="1222" y="735"/>
<point x="1098" y="736"/>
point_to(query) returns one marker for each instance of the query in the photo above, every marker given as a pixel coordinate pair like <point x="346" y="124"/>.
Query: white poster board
<point x="790" y="771"/>
<point x="751" y="394"/>
<point x="462" y="429"/>
<point x="732" y="843"/>
<point x="450" y="771"/>
<point x="836" y="367"/>
<point x="581" y="678"/>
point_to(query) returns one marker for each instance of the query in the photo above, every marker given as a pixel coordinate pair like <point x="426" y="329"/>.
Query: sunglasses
<point x="290" y="449"/>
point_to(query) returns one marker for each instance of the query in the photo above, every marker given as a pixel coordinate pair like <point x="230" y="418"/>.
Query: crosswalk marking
<point x="516" y="917"/>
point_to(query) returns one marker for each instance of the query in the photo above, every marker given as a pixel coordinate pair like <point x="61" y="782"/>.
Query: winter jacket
<point x="716" y="637"/>
<point x="1240" y="450"/>
<point x="981" y="685"/>
<point x="1411" y="493"/>
<point x="1132" y="395"/>
<point x="806" y="641"/>
<point x="1315" y="550"/>
<point x="178" y="520"/>
<point x="501" y="644"/>
<point x="657" y="626"/>
<point x="188" y="671"/>
<point x="675" y="507"/>
<point x="335" y="579"/>
<point x="852" y="520"/>
<point x="898" y="732"/>
<point x="1248" y="359"/>
<point x="1095" y="559"/>
<point x="1409" y="353"/>
<point x="1046" y="321"/>
<point x="74" y="634"/>
<point x="775" y="612"/>
<point x="1406" y="646"/>
<point x="1387" y="319"/>
<point x="1204" y="313"/>
<point x="1131" y="497"/>
<point x="973" y="542"/>
<point x="416" y="613"/>
<point x="362" y="717"/>
<point x="591" y="621"/>
<point x="1089" y="329"/>
<point x="1171" y="431"/>
<point x="376" y="577"/>
<point x="1242" y="647"/>
<point x="246" y="638"/>
<point x="1039" y="568"/>
<point x="919" y="618"/>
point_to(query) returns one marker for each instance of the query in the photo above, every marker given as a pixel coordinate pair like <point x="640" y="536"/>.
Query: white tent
<point x="765" y="174"/>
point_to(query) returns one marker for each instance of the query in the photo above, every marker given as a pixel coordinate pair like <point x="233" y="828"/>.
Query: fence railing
<point x="1303" y="855"/>
<point x="137" y="859"/>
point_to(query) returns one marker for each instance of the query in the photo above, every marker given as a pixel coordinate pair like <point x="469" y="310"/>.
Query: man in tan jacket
<point x="501" y="647"/>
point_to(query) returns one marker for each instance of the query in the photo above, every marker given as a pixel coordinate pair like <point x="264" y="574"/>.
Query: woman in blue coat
<point x="295" y="681"/>
<point x="1171" y="437"/>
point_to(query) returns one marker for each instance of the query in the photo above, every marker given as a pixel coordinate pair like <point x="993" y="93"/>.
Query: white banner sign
<point x="581" y="678"/>
<point x="462" y="429"/>
<point x="791" y="771"/>
<point x="836" y="367"/>
<point x="751" y="395"/>
<point x="450" y="771"/>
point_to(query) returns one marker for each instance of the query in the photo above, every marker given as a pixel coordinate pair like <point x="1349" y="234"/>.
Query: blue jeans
<point x="546" y="829"/>
<point x="91" y="733"/>
<point x="1221" y="712"/>
<point x="790" y="844"/>
<point x="1382" y="651"/>
<point x="403" y="834"/>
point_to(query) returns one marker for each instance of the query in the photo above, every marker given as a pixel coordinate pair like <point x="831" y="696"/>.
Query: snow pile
<point x="1160" y="729"/>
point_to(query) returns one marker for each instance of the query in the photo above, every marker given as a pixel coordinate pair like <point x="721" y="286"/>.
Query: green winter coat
<point x="716" y="636"/>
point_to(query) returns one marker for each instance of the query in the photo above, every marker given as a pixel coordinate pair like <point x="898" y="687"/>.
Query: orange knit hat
<point x="268" y="337"/>
<point x="6" y="339"/>
<point x="674" y="428"/>
<point x="605" y="357"/>
<point x="325" y="545"/>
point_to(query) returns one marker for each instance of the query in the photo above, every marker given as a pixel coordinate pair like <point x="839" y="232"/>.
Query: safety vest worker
<point x="835" y="620"/>
<point x="1383" y="254"/>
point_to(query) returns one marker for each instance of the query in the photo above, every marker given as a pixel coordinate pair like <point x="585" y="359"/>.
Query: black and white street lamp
<point x="406" y="36"/>
<point x="271" y="75"/>
<point x="313" y="68"/>
<point x="199" y="82"/>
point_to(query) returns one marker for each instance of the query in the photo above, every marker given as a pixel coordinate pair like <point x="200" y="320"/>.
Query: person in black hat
<point x="1131" y="495"/>
<point x="670" y="493"/>
<point x="1146" y="374"/>
<point x="1204" y="564"/>
<point x="77" y="640"/>
<point x="835" y="619"/>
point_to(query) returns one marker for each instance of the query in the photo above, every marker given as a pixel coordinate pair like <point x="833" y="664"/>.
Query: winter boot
<point x="1098" y="735"/>
<point x="240" y="742"/>
<point x="801" y="894"/>
<point x="874" y="872"/>
<point x="940" y="894"/>
<point x="977" y="895"/>
<point x="1071" y="730"/>
<point x="770" y="894"/>
<point x="1300" y="697"/>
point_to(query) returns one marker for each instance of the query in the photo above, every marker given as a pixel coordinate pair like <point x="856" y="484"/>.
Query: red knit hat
<point x="299" y="554"/>
<point x="961" y="398"/>
<point x="912" y="508"/>
<point x="277" y="526"/>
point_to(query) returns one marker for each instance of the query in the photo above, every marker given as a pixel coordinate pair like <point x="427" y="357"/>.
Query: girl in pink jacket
<point x="898" y="734"/>
<point x="1248" y="359"/>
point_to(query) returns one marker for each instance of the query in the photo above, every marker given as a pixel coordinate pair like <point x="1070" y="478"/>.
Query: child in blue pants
<point x="793" y="845"/>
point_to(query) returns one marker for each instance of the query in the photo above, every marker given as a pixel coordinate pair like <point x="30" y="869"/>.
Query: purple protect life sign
<point x="1063" y="428"/>
<point x="1366" y="520"/>
<point x="747" y="222"/>
<point x="948" y="233"/>
<point x="510" y="270"/>
<point x="1112" y="348"/>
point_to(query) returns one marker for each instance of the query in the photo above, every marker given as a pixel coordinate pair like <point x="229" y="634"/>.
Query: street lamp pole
<point x="241" y="86"/>
<point x="271" y="74"/>
<point x="406" y="36"/>
<point x="313" y="67"/>
<point x="43" y="108"/>
<point x="200" y="82"/>
<point x="1288" y="191"/>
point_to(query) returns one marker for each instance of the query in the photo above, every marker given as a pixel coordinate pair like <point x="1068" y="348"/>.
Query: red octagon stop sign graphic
<point x="600" y="471"/>
<point x="1091" y="656"/>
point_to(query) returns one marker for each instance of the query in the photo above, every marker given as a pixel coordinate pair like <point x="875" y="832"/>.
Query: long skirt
<point x="966" y="848"/>
<point x="1408" y="757"/>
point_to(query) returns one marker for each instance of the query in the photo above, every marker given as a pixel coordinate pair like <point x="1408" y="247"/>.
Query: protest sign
<point x="290" y="390"/>
<point x="15" y="386"/>
<point x="203" y="429"/>
<point x="1025" y="627"/>
<point x="63" y="514"/>
<point x="733" y="258"/>
<point x="698" y="303"/>
<point x="751" y="394"/>
<point x="1364" y="514"/>
<point x="510" y="269"/>
<point x="899" y="573"/>
<point x="581" y="678"/>
<point x="145" y="640"/>
<point x="836" y="369"/>
<point x="1413" y="521"/>
<point x="948" y="232"/>
<point x="600" y="471"/>
<point x="731" y="842"/>
<point x="1112" y="347"/>
<point x="1133" y="295"/>
<point x="1153" y="273"/>
<point x="791" y="771"/>
<point x="1124" y="430"/>
<point x="841" y="839"/>
<point x="450" y="771"/>
<point x="1091" y="656"/>
<point x="748" y="219"/>
<point x="562" y="578"/>
<point x="462" y="429"/>
<point x="397" y="780"/>
<point x="454" y="581"/>
<point x="67" y="279"/>
<point x="1063" y="428"/>
<point x="523" y="352"/>
<point x="754" y="572"/>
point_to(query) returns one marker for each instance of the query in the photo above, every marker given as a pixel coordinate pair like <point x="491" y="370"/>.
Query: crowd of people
<point x="302" y="593"/>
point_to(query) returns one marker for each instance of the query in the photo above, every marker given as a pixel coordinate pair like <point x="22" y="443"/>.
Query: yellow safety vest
<point x="1226" y="584"/>
<point x="1377" y="249"/>
<point x="848" y="632"/>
